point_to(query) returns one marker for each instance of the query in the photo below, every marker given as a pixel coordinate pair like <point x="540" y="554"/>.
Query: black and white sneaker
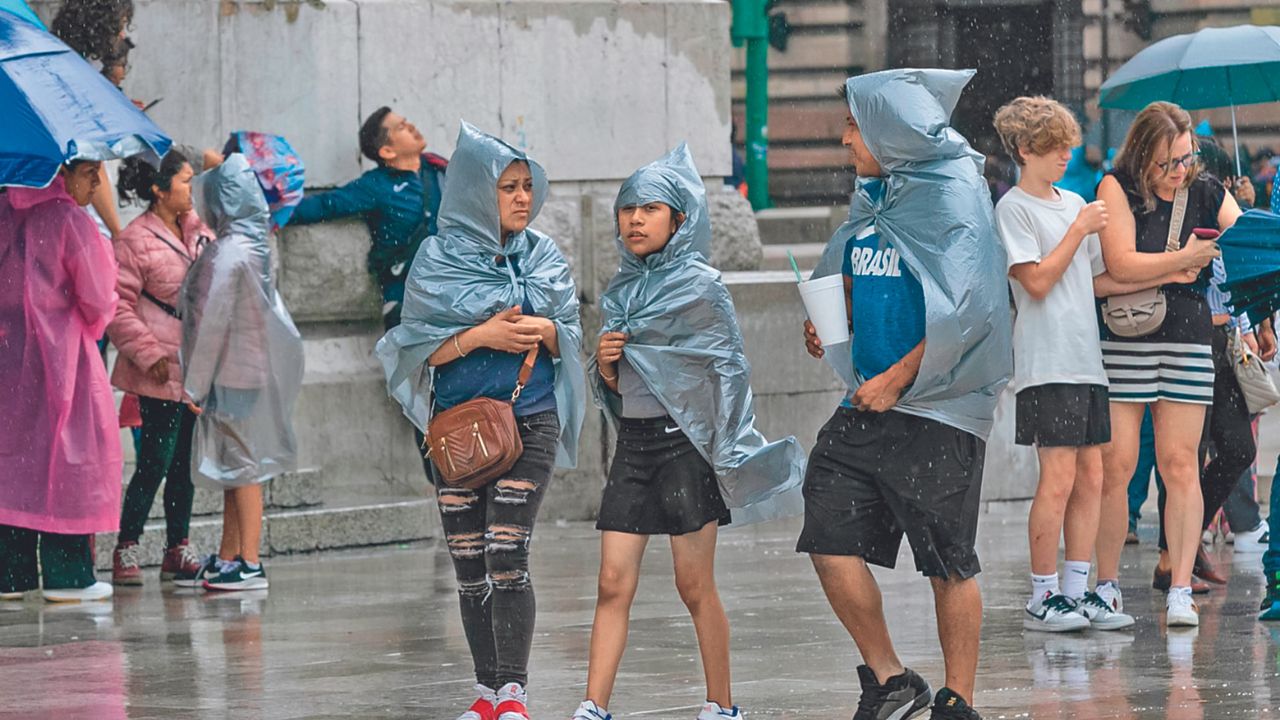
<point x="239" y="577"/>
<point x="900" y="697"/>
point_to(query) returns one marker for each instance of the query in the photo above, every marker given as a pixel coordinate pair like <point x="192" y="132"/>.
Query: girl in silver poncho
<point x="672" y="376"/>
<point x="242" y="365"/>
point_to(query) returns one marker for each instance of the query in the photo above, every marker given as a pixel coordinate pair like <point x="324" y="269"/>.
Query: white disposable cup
<point x="824" y="302"/>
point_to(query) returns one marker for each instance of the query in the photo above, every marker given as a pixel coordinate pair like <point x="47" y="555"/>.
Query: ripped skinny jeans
<point x="488" y="532"/>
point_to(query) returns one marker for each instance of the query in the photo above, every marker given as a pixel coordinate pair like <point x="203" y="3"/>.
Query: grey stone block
<point x="301" y="488"/>
<point x="323" y="276"/>
<point x="286" y="531"/>
<point x="290" y="490"/>
<point x="307" y="530"/>
<point x="735" y="239"/>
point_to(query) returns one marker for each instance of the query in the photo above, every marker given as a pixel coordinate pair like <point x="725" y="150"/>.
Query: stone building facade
<point x="1053" y="47"/>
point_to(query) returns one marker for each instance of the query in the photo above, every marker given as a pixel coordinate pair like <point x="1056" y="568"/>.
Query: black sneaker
<point x="901" y="697"/>
<point x="239" y="577"/>
<point x="949" y="706"/>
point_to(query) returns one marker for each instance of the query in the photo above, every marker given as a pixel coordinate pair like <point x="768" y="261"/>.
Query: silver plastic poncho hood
<point x="241" y="355"/>
<point x="685" y="344"/>
<point x="455" y="284"/>
<point x="936" y="212"/>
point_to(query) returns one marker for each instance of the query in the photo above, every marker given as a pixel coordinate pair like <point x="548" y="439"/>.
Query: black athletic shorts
<point x="874" y="476"/>
<point x="1062" y="415"/>
<point x="659" y="484"/>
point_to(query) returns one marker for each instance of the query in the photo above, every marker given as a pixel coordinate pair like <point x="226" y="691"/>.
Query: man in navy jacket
<point x="398" y="200"/>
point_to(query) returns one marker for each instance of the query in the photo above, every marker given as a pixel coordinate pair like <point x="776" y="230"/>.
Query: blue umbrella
<point x="58" y="108"/>
<point x="1251" y="257"/>
<point x="1212" y="68"/>
<point x="22" y="10"/>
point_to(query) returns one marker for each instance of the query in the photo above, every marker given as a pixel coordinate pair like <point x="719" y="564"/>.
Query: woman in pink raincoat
<point x="155" y="252"/>
<point x="60" y="460"/>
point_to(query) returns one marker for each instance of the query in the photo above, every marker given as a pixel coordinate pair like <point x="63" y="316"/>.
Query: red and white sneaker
<point x="181" y="565"/>
<point x="512" y="702"/>
<point x="485" y="706"/>
<point x="126" y="564"/>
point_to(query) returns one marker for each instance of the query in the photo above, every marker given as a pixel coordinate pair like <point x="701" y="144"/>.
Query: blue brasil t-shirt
<point x="486" y="372"/>
<point x="887" y="301"/>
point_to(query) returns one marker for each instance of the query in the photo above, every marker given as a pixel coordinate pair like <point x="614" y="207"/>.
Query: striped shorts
<point x="1144" y="372"/>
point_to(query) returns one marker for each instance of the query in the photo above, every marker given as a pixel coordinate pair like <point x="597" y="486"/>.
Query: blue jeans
<point x="1140" y="484"/>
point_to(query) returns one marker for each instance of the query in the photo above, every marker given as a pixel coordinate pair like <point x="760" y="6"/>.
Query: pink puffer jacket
<point x="152" y="260"/>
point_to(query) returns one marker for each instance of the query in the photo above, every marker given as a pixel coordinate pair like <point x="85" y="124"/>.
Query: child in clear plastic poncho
<point x="480" y="295"/>
<point x="242" y="365"/>
<point x="60" y="460"/>
<point x="671" y="375"/>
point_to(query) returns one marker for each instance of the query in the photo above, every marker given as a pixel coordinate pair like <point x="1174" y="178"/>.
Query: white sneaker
<point x="1109" y="591"/>
<point x="1206" y="537"/>
<point x="1100" y="615"/>
<point x="1253" y="541"/>
<point x="713" y="711"/>
<point x="486" y="701"/>
<point x="96" y="591"/>
<point x="513" y="702"/>
<point x="1055" y="613"/>
<point x="590" y="711"/>
<point x="18" y="596"/>
<point x="1181" y="610"/>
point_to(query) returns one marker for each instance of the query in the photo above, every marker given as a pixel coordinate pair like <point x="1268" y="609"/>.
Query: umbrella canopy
<point x="58" y="108"/>
<point x="22" y="10"/>
<point x="1212" y="68"/>
<point x="279" y="170"/>
<point x="1251" y="257"/>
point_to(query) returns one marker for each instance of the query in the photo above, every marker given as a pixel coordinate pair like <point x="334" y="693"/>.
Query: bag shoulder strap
<point x="190" y="260"/>
<point x="526" y="372"/>
<point x="1174" y="242"/>
<point x="166" y="307"/>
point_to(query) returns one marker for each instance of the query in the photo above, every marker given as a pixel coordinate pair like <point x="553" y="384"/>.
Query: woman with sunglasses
<point x="1170" y="369"/>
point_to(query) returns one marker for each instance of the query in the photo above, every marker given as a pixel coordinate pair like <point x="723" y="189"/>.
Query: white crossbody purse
<point x="1255" y="380"/>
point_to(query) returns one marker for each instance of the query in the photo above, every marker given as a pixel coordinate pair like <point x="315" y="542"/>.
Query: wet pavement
<point x="375" y="634"/>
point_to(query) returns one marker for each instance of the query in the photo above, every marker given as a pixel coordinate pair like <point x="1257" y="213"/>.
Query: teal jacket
<point x="400" y="209"/>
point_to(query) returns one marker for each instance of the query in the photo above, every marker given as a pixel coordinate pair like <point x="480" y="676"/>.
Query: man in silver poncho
<point x="925" y="284"/>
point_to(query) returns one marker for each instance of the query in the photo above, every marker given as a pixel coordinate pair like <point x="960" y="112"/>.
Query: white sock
<point x="1042" y="586"/>
<point x="1075" y="579"/>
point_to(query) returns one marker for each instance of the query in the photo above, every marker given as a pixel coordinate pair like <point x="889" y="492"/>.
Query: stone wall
<point x="591" y="88"/>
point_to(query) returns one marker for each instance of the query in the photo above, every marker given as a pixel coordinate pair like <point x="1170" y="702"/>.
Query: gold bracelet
<point x="458" y="347"/>
<point x="606" y="377"/>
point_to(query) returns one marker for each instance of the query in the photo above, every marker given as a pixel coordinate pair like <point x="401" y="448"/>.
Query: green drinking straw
<point x="795" y="267"/>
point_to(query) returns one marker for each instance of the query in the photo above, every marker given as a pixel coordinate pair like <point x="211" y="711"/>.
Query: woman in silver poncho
<point x="479" y="296"/>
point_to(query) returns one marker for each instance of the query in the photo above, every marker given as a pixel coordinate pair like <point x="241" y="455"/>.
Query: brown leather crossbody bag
<point x="474" y="443"/>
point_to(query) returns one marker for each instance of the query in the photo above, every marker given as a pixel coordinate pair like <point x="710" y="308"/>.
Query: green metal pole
<point x="758" y="122"/>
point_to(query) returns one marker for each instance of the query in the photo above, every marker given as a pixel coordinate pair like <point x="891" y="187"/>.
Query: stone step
<point x="807" y="256"/>
<point x="339" y="524"/>
<point x="296" y="489"/>
<point x="799" y="225"/>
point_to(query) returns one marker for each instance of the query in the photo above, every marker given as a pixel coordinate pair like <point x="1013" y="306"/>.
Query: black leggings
<point x="1228" y="430"/>
<point x="488" y="533"/>
<point x="164" y="454"/>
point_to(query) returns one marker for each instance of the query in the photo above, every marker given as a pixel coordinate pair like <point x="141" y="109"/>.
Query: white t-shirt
<point x="1055" y="340"/>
